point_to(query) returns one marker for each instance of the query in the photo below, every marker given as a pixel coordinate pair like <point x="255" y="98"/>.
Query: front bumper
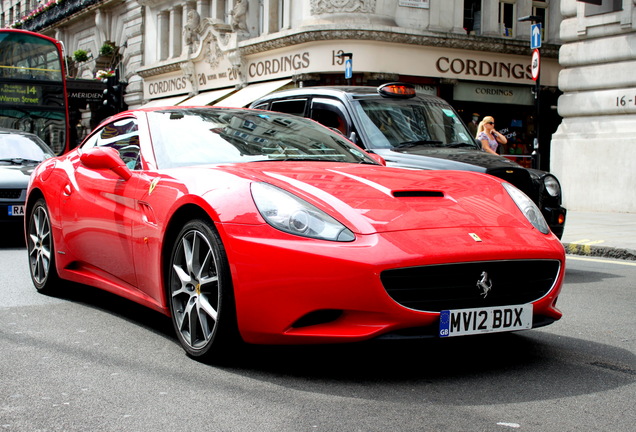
<point x="299" y="291"/>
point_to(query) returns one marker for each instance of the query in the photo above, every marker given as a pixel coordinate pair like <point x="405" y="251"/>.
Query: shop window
<point x="507" y="18"/>
<point x="472" y="16"/>
<point x="602" y="6"/>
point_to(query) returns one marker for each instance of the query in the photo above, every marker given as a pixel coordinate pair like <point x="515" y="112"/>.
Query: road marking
<point x="583" y="246"/>
<point x="607" y="261"/>
<point x="588" y="242"/>
<point x="512" y="425"/>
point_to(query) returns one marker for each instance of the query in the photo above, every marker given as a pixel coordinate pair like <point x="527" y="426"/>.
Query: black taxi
<point x="414" y="131"/>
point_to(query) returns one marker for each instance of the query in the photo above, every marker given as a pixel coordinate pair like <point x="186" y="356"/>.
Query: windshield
<point x="196" y="136"/>
<point x="22" y="147"/>
<point x="405" y="123"/>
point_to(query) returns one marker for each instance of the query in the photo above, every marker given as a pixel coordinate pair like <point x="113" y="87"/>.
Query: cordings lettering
<point x="165" y="86"/>
<point x="483" y="68"/>
<point x="288" y="63"/>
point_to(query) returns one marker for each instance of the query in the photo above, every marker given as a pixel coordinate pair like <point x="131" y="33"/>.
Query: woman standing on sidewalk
<point x="488" y="136"/>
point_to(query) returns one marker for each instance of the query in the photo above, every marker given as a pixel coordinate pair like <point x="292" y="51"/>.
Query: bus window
<point x="33" y="95"/>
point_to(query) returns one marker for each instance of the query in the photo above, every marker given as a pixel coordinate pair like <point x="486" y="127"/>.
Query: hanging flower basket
<point x="80" y="56"/>
<point x="103" y="74"/>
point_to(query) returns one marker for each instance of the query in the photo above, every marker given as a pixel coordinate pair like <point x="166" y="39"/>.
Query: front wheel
<point x="201" y="295"/>
<point x="41" y="249"/>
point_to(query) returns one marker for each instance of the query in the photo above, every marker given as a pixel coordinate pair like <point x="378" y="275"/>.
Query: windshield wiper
<point x="409" y="144"/>
<point x="20" y="161"/>
<point x="298" y="159"/>
<point x="461" y="144"/>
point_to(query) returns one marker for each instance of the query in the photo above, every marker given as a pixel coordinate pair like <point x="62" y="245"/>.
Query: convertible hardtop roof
<point x="340" y="92"/>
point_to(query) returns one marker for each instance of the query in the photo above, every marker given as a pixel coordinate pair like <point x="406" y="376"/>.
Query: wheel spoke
<point x="206" y="307"/>
<point x="192" y="319"/>
<point x="204" y="323"/>
<point x="187" y="254"/>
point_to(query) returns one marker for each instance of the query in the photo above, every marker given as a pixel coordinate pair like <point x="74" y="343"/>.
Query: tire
<point x="41" y="249"/>
<point x="201" y="295"/>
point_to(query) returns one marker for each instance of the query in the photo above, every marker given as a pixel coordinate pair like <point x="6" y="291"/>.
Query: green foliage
<point x="107" y="49"/>
<point x="80" y="55"/>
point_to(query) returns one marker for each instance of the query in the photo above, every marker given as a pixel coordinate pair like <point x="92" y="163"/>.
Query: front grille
<point x="455" y="286"/>
<point x="519" y="177"/>
<point x="10" y="193"/>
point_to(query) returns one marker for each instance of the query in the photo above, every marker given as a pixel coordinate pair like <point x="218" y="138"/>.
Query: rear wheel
<point x="41" y="249"/>
<point x="201" y="294"/>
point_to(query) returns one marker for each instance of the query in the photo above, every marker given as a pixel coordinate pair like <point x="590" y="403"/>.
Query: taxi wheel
<point x="41" y="250"/>
<point x="201" y="295"/>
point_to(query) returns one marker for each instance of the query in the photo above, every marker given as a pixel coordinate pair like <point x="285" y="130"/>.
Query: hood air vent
<point x="418" y="194"/>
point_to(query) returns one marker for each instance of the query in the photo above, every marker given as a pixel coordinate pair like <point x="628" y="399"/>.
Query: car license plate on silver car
<point x="462" y="322"/>
<point x="16" y="210"/>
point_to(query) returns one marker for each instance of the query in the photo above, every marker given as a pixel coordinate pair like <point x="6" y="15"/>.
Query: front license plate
<point x="16" y="210"/>
<point x="462" y="322"/>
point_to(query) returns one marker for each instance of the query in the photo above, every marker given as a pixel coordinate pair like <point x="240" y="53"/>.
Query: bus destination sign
<point x="20" y="94"/>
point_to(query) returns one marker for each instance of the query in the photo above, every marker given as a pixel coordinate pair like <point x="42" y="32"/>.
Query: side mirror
<point x="105" y="158"/>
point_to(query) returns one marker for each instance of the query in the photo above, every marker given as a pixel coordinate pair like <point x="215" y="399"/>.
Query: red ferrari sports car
<point x="267" y="228"/>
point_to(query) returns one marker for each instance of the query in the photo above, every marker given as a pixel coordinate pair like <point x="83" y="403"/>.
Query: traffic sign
<point x="535" y="36"/>
<point x="535" y="64"/>
<point x="348" y="68"/>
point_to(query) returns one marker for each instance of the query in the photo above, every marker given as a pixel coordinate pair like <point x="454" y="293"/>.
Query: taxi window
<point x="290" y="106"/>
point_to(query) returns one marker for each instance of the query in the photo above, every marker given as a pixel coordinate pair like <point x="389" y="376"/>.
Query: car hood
<point x="381" y="199"/>
<point x="462" y="159"/>
<point x="15" y="176"/>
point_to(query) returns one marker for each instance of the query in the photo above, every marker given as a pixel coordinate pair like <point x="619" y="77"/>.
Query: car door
<point x="99" y="207"/>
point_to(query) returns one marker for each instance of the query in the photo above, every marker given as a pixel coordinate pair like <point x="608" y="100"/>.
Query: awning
<point x="206" y="98"/>
<point x="169" y="101"/>
<point x="249" y="94"/>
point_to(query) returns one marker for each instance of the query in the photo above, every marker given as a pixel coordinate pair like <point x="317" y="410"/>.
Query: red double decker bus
<point x="33" y="95"/>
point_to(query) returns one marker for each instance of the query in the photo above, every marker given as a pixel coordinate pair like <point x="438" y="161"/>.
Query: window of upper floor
<point x="540" y="9"/>
<point x="472" y="16"/>
<point x="598" y="7"/>
<point x="507" y="18"/>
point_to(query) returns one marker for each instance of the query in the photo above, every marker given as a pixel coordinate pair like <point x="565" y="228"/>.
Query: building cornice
<point x="439" y="40"/>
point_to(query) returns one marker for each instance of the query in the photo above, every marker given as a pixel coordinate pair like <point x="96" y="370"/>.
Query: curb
<point x="599" y="251"/>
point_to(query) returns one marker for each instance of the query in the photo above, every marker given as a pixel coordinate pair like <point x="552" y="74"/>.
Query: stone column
<point x="176" y="27"/>
<point x="490" y="18"/>
<point x="163" y="26"/>
<point x="592" y="150"/>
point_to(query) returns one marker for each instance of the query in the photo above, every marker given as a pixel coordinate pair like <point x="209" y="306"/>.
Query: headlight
<point x="528" y="208"/>
<point x="552" y="185"/>
<point x="293" y="215"/>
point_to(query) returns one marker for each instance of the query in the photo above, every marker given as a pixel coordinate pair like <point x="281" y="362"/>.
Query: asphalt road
<point x="87" y="361"/>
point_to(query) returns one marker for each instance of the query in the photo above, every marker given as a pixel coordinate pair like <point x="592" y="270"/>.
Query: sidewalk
<point x="597" y="234"/>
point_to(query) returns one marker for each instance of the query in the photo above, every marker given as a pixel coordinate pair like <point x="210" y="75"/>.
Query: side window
<point x="122" y="135"/>
<point x="290" y="106"/>
<point x="332" y="114"/>
<point x="261" y="106"/>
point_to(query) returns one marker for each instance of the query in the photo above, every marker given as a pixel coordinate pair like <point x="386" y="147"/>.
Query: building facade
<point x="591" y="148"/>
<point x="474" y="53"/>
